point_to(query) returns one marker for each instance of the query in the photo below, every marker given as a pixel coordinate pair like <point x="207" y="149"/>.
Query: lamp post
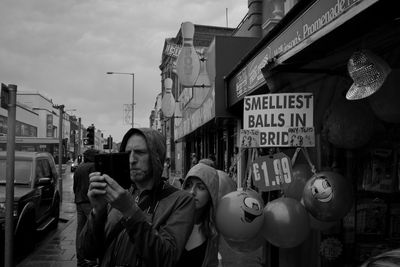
<point x="60" y="130"/>
<point x="133" y="89"/>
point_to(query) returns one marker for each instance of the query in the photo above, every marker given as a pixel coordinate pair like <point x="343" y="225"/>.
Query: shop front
<point x="204" y="127"/>
<point x="329" y="78"/>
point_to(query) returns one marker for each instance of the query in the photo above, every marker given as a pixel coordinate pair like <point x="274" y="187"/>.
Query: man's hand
<point x="97" y="192"/>
<point x="118" y="197"/>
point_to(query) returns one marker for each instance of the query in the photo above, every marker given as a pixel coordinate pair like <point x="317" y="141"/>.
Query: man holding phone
<point x="147" y="225"/>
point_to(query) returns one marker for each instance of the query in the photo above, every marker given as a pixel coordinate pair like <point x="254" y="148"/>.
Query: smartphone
<point x="115" y="165"/>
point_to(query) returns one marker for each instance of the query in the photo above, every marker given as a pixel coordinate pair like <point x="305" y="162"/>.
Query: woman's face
<point x="199" y="191"/>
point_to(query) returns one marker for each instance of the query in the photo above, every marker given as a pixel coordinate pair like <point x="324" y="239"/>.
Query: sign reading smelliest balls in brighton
<point x="283" y="120"/>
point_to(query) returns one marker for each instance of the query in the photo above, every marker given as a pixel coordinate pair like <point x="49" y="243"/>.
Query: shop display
<point x="300" y="175"/>
<point x="349" y="124"/>
<point x="328" y="196"/>
<point x="286" y="223"/>
<point x="368" y="72"/>
<point x="385" y="102"/>
<point x="378" y="171"/>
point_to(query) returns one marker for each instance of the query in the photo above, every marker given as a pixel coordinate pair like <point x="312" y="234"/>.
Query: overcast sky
<point x="64" y="48"/>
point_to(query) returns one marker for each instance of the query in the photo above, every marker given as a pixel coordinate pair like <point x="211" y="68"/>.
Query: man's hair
<point x="88" y="155"/>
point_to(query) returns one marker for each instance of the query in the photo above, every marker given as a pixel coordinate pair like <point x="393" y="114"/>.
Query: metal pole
<point x="60" y="154"/>
<point x="133" y="98"/>
<point x="79" y="136"/>
<point x="10" y="169"/>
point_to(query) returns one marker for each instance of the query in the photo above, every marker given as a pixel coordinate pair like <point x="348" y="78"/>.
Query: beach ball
<point x="300" y="174"/>
<point x="286" y="223"/>
<point x="349" y="124"/>
<point x="239" y="215"/>
<point x="246" y="246"/>
<point x="328" y="196"/>
<point x="385" y="102"/>
<point x="226" y="184"/>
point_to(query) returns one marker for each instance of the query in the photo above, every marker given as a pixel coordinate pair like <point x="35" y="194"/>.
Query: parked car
<point x="36" y="196"/>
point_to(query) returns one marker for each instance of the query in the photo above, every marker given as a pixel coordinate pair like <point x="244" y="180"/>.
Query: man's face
<point x="139" y="159"/>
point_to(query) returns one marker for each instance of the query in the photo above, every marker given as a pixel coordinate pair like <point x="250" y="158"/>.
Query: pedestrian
<point x="147" y="225"/>
<point x="165" y="173"/>
<point x="202" y="247"/>
<point x="83" y="207"/>
<point x="194" y="160"/>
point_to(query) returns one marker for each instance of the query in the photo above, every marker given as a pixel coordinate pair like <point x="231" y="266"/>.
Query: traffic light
<point x="89" y="141"/>
<point x="110" y="142"/>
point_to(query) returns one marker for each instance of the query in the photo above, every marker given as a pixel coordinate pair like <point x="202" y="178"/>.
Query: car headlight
<point x="3" y="209"/>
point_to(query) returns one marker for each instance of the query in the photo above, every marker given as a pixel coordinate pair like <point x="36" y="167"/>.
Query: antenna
<point x="226" y="15"/>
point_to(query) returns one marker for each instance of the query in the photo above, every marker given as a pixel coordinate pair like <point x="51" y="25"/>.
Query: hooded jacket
<point x="209" y="177"/>
<point x="152" y="236"/>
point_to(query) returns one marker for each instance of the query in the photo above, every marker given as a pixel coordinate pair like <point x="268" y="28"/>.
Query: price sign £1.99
<point x="269" y="172"/>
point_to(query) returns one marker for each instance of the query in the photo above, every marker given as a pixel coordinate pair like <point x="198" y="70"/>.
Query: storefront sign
<point x="320" y="19"/>
<point x="194" y="118"/>
<point x="49" y="125"/>
<point x="301" y="136"/>
<point x="249" y="138"/>
<point x="273" y="114"/>
<point x="269" y="172"/>
<point x="172" y="49"/>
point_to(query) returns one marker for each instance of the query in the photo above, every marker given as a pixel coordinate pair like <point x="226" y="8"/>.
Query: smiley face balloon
<point x="239" y="215"/>
<point x="328" y="196"/>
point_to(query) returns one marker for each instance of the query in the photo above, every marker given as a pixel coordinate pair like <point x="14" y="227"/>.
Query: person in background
<point x="147" y="225"/>
<point x="165" y="173"/>
<point x="80" y="188"/>
<point x="194" y="160"/>
<point x="202" y="247"/>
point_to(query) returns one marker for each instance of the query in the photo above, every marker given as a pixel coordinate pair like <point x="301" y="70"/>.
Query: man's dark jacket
<point x="151" y="237"/>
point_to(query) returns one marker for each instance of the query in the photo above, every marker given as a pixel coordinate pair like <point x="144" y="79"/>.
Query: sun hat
<point x="368" y="72"/>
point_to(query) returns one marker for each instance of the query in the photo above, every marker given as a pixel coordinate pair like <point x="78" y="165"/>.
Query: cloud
<point x="63" y="49"/>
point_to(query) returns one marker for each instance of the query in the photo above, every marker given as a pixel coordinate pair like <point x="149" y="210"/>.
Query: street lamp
<point x="133" y="89"/>
<point x="60" y="123"/>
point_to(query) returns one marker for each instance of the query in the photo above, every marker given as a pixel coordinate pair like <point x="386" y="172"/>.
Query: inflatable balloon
<point x="317" y="224"/>
<point x="286" y="223"/>
<point x="328" y="196"/>
<point x="246" y="246"/>
<point x="226" y="184"/>
<point x="239" y="215"/>
<point x="384" y="102"/>
<point x="349" y="124"/>
<point x="301" y="173"/>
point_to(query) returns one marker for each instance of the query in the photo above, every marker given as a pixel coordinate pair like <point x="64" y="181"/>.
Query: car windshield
<point x="22" y="171"/>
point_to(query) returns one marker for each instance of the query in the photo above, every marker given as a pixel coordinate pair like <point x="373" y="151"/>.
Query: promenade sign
<point x="273" y="114"/>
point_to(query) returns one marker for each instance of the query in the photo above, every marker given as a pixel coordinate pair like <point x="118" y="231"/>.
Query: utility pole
<point x="79" y="136"/>
<point x="11" y="100"/>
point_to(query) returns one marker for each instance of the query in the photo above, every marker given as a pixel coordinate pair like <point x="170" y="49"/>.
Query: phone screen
<point x="115" y="165"/>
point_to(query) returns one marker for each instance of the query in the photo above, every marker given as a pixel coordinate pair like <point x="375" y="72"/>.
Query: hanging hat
<point x="368" y="72"/>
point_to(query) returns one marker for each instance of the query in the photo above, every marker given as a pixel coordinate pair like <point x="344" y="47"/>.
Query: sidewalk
<point x="59" y="249"/>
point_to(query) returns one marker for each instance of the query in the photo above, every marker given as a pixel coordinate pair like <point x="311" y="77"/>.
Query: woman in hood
<point x="202" y="247"/>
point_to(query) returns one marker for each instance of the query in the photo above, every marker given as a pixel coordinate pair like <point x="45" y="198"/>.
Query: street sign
<point x="269" y="172"/>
